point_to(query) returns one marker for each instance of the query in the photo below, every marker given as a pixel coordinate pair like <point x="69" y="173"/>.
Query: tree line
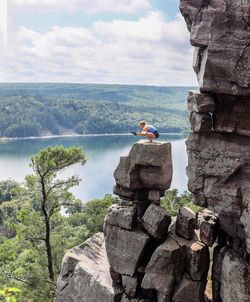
<point x="29" y="111"/>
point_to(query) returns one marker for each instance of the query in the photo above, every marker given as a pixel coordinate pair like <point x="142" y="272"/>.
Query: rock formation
<point x="85" y="274"/>
<point x="219" y="147"/>
<point x="143" y="255"/>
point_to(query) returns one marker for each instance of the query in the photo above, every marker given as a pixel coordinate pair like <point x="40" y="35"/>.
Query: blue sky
<point x="111" y="41"/>
<point x="36" y="20"/>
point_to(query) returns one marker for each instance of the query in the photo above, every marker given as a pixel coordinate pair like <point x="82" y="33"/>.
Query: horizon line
<point x="91" y="83"/>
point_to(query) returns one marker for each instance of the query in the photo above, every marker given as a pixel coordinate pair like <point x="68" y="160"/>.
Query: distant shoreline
<point x="73" y="135"/>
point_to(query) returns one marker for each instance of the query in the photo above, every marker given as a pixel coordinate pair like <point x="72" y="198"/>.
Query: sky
<point x="142" y="42"/>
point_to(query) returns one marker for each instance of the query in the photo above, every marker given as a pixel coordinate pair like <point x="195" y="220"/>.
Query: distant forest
<point x="57" y="109"/>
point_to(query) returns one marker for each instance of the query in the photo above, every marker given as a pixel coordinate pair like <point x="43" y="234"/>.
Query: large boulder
<point x="148" y="166"/>
<point x="85" y="274"/>
<point x="156" y="221"/>
<point x="166" y="266"/>
<point x="124" y="248"/>
<point x="219" y="150"/>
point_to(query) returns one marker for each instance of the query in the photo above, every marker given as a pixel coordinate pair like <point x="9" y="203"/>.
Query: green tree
<point x="6" y="189"/>
<point x="172" y="201"/>
<point x="9" y="294"/>
<point x="52" y="193"/>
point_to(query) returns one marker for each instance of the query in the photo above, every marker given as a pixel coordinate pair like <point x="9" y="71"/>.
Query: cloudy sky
<point x="96" y="41"/>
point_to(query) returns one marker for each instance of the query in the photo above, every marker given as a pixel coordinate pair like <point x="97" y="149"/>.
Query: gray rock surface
<point x="219" y="174"/>
<point x="218" y="257"/>
<point x="209" y="226"/>
<point x="124" y="193"/>
<point x="130" y="285"/>
<point x="197" y="260"/>
<point x="124" y="248"/>
<point x="219" y="160"/>
<point x="235" y="278"/>
<point x="232" y="115"/>
<point x="189" y="291"/>
<point x="186" y="223"/>
<point x="201" y="122"/>
<point x="122" y="216"/>
<point x="138" y="259"/>
<point x="85" y="274"/>
<point x="166" y="266"/>
<point x="200" y="102"/>
<point x="148" y="166"/>
<point x="220" y="32"/>
<point x="154" y="196"/>
<point x="156" y="221"/>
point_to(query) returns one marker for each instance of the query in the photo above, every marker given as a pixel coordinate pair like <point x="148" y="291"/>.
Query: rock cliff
<point x="219" y="147"/>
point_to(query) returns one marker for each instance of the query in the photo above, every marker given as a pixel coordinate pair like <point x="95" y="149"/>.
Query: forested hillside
<point x="44" y="109"/>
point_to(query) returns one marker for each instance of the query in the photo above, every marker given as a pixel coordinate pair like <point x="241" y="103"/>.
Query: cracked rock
<point x="186" y="223"/>
<point x="122" y="216"/>
<point x="156" y="221"/>
<point x="85" y="274"/>
<point x="124" y="256"/>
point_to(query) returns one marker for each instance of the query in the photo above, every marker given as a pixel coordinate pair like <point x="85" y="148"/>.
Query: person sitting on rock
<point x="147" y="130"/>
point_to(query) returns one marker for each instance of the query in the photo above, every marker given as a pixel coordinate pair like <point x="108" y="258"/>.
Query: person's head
<point x="142" y="124"/>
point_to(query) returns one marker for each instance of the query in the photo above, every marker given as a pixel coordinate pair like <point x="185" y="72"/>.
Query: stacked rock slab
<point x="148" y="261"/>
<point x="219" y="147"/>
<point x="142" y="256"/>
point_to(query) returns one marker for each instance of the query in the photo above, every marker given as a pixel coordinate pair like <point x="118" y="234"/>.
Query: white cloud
<point x="148" y="51"/>
<point x="87" y="6"/>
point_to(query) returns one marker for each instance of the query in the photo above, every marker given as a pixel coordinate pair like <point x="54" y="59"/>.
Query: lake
<point x="103" y="153"/>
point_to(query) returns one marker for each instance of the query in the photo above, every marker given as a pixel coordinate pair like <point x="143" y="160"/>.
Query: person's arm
<point x="143" y="132"/>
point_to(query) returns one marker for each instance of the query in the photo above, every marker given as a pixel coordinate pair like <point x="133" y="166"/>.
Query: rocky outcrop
<point x="219" y="147"/>
<point x="145" y="256"/>
<point x="154" y="262"/>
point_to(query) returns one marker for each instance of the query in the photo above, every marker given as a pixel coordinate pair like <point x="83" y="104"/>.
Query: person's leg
<point x="150" y="136"/>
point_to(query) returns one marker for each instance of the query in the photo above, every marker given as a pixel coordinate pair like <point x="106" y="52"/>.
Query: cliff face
<point x="220" y="32"/>
<point x="219" y="147"/>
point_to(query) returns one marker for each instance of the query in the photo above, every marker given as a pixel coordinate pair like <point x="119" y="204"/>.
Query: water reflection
<point x="103" y="153"/>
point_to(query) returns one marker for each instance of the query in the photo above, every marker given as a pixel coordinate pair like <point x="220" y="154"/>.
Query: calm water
<point x="103" y="154"/>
